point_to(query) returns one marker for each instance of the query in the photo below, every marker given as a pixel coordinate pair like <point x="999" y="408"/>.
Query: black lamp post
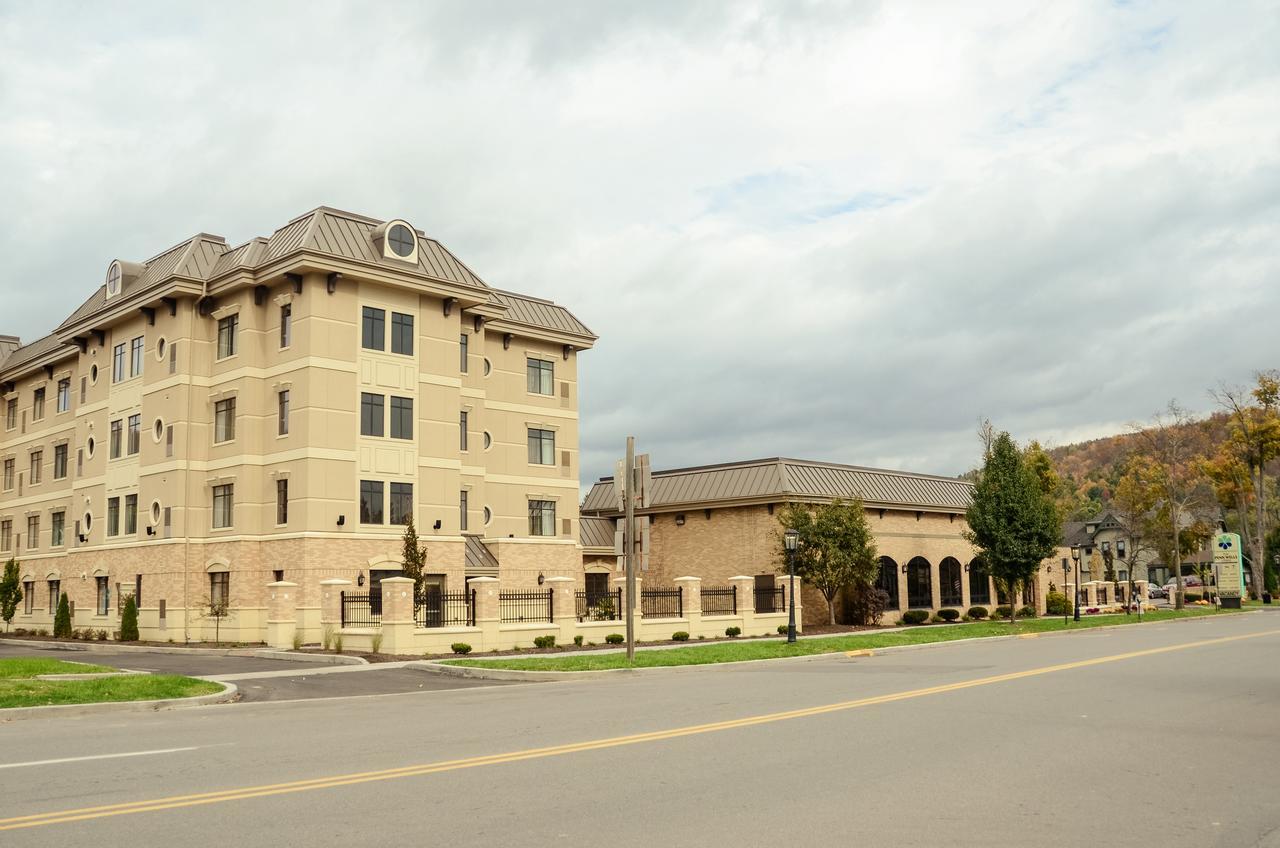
<point x="1066" y="576"/>
<point x="791" y="540"/>
<point x="1075" y="602"/>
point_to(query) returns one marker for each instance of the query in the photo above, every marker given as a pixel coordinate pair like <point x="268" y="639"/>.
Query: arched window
<point x="949" y="585"/>
<point x="919" y="583"/>
<point x="888" y="581"/>
<point x="979" y="584"/>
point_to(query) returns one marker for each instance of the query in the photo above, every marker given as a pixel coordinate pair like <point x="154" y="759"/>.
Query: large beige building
<point x="217" y="418"/>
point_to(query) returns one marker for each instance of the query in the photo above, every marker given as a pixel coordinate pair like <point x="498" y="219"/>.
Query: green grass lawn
<point x="19" y="688"/>
<point x="721" y="652"/>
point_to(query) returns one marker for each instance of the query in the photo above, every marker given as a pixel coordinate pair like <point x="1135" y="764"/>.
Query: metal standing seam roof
<point x="33" y="351"/>
<point x="596" y="532"/>
<point x="480" y="561"/>
<point x="539" y="313"/>
<point x="783" y="479"/>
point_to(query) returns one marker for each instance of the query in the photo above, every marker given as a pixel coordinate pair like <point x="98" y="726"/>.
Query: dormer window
<point x="114" y="275"/>
<point x="396" y="240"/>
<point x="401" y="240"/>
<point x="119" y="275"/>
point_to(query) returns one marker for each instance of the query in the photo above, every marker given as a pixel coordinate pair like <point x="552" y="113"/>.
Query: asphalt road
<point x="1160" y="735"/>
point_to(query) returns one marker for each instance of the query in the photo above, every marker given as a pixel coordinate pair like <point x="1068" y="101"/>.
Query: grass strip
<point x="32" y="666"/>
<point x="140" y="687"/>
<point x="722" y="652"/>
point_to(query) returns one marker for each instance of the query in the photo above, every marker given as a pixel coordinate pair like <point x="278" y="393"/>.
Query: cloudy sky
<point x="840" y="231"/>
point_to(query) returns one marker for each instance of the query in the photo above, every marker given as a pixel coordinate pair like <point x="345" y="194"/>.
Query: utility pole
<point x="629" y="543"/>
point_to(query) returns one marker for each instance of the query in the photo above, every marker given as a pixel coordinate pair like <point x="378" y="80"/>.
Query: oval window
<point x="160" y="347"/>
<point x="93" y="373"/>
<point x="401" y="240"/>
<point x="88" y="522"/>
<point x="488" y="366"/>
<point x="155" y="512"/>
<point x="488" y="440"/>
<point x="90" y="445"/>
<point x="159" y="429"/>
<point x="488" y="516"/>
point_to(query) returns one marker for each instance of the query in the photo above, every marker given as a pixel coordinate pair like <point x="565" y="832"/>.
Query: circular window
<point x="90" y="444"/>
<point x="88" y="522"/>
<point x="401" y="240"/>
<point x="159" y="429"/>
<point x="488" y="516"/>
<point x="488" y="440"/>
<point x="93" y="373"/>
<point x="160" y="347"/>
<point x="113" y="278"/>
<point x="488" y="366"/>
<point x="155" y="512"/>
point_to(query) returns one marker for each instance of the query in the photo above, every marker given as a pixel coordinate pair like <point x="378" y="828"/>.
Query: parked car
<point x="1154" y="591"/>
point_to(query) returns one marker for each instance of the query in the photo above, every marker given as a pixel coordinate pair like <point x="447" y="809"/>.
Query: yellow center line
<point x="244" y="793"/>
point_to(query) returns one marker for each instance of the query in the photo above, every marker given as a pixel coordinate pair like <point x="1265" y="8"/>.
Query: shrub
<point x="62" y="621"/>
<point x="948" y="614"/>
<point x="544" y="641"/>
<point x="129" y="621"/>
<point x="375" y="644"/>
<point x="1027" y="612"/>
<point x="42" y="631"/>
<point x="977" y="613"/>
<point x="1056" y="603"/>
<point x="783" y="628"/>
<point x="326" y="638"/>
<point x="461" y="648"/>
<point x="577" y="640"/>
<point x="75" y="634"/>
<point x="19" y="631"/>
<point x="615" y="639"/>
<point x="866" y="604"/>
<point x="101" y="635"/>
<point x="337" y="641"/>
<point x="915" y="616"/>
<point x="680" y="636"/>
<point x="297" y="640"/>
<point x="936" y="619"/>
<point x="733" y="631"/>
<point x="1001" y="611"/>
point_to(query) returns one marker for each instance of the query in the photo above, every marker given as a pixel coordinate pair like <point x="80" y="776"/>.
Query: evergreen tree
<point x="414" y="558"/>
<point x="10" y="592"/>
<point x="129" y="621"/>
<point x="62" y="621"/>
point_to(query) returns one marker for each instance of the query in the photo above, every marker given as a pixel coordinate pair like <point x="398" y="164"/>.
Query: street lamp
<point x="791" y="540"/>
<point x="1075" y="602"/>
<point x="1066" y="576"/>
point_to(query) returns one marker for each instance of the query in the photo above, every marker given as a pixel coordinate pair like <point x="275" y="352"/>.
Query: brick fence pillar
<point x="691" y="600"/>
<point x="564" y="607"/>
<point x="331" y="604"/>
<point x="746" y="587"/>
<point x="621" y="583"/>
<point x="282" y="613"/>
<point x="397" y="615"/>
<point x="488" y="614"/>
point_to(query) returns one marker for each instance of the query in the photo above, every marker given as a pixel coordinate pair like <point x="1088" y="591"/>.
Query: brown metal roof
<point x="536" y="312"/>
<point x="780" y="480"/>
<point x="596" y="532"/>
<point x="480" y="561"/>
<point x="33" y="351"/>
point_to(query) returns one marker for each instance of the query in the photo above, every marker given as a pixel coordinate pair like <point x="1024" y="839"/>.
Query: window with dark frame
<point x="462" y="432"/>
<point x="103" y="595"/>
<point x="64" y="394"/>
<point x="6" y="535"/>
<point x="28" y="596"/>
<point x="117" y="363"/>
<point x="919" y="583"/>
<point x="224" y="420"/>
<point x="286" y="325"/>
<point x="542" y="518"/>
<point x="371" y="414"/>
<point x="57" y="529"/>
<point x="37" y="466"/>
<point x="227" y="336"/>
<point x="402" y="333"/>
<point x="462" y="510"/>
<point x="134" y="431"/>
<point x="541" y="376"/>
<point x="979" y="585"/>
<point x="33" y="532"/>
<point x="55" y="590"/>
<point x="373" y="328"/>
<point x="219" y="589"/>
<point x="224" y="506"/>
<point x="131" y="515"/>
<point x="282" y="500"/>
<point x="59" y="462"/>
<point x="542" y="447"/>
<point x="135" y="356"/>
<point x="401" y="417"/>
<point x="401" y="503"/>
<point x="371" y="502"/>
<point x="282" y="413"/>
<point x="117" y="438"/>
<point x="37" y="404"/>
<point x="462" y="353"/>
<point x="113" y="516"/>
<point x="8" y="474"/>
<point x="949" y="583"/>
<point x="11" y="414"/>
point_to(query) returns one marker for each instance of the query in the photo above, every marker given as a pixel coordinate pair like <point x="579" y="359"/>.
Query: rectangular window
<point x="6" y="535"/>
<point x="8" y="474"/>
<point x="542" y="377"/>
<point x="219" y="589"/>
<point x="401" y="502"/>
<point x="113" y="516"/>
<point x="462" y="510"/>
<point x="224" y="506"/>
<point x="117" y="438"/>
<point x="227" y="336"/>
<point x="55" y="589"/>
<point x="402" y="334"/>
<point x="462" y="432"/>
<point x="135" y="356"/>
<point x="542" y="447"/>
<point x="135" y="434"/>
<point x="371" y="414"/>
<point x="103" y="596"/>
<point x="542" y="518"/>
<point x="37" y="465"/>
<point x="282" y="500"/>
<point x="11" y="414"/>
<point x="401" y="418"/>
<point x="224" y="420"/>
<point x="117" y="363"/>
<point x="33" y="532"/>
<point x="28" y="596"/>
<point x="64" y="394"/>
<point x="37" y="404"/>
<point x="59" y="462"/>
<point x="286" y="325"/>
<point x="131" y="515"/>
<point x="282" y="413"/>
<point x="373" y="328"/>
<point x="462" y="353"/>
<point x="370" y="502"/>
<point x="57" y="529"/>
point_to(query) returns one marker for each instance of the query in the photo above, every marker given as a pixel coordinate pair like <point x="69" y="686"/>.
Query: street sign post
<point x="1228" y="569"/>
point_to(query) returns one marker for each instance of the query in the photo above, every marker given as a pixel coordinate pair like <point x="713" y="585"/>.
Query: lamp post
<point x="1075" y="602"/>
<point x="1066" y="576"/>
<point x="791" y="540"/>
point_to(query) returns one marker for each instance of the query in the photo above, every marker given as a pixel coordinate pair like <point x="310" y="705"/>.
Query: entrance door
<point x="375" y="588"/>
<point x="766" y="596"/>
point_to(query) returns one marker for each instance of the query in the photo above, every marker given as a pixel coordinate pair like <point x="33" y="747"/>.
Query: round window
<point x="160" y="347"/>
<point x="88" y="522"/>
<point x="488" y="366"/>
<point x="90" y="444"/>
<point x="401" y="240"/>
<point x="488" y="516"/>
<point x="93" y="373"/>
<point x="488" y="440"/>
<point x="113" y="278"/>
<point x="159" y="429"/>
<point x="155" y="512"/>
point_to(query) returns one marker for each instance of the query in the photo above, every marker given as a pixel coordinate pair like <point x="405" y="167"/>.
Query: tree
<point x="10" y="592"/>
<point x="836" y="547"/>
<point x="1134" y="503"/>
<point x="62" y="619"/>
<point x="414" y="558"/>
<point x="129" y="621"/>
<point x="1012" y="518"/>
<point x="1272" y="557"/>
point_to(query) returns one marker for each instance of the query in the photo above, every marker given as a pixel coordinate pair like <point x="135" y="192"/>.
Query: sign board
<point x="1227" y="565"/>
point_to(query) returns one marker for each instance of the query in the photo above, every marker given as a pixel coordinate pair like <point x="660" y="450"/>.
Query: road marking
<point x="865" y="652"/>
<point x="263" y="791"/>
<point x="99" y="757"/>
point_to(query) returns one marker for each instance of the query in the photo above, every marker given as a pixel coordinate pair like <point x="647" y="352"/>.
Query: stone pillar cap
<point x="281" y="584"/>
<point x="558" y="579"/>
<point x="681" y="579"/>
<point x="482" y="580"/>
<point x="742" y="577"/>
<point x="335" y="581"/>
<point x="397" y="580"/>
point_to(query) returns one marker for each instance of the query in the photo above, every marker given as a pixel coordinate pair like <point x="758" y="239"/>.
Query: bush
<point x="866" y="604"/>
<point x="297" y="640"/>
<point x="1056" y="603"/>
<point x="915" y="616"/>
<point x="62" y="620"/>
<point x="733" y="631"/>
<point x="461" y="648"/>
<point x="544" y="641"/>
<point x="42" y="631"/>
<point x="577" y="640"/>
<point x="337" y="642"/>
<point x="680" y="636"/>
<point x="1027" y="612"/>
<point x="936" y="619"/>
<point x="615" y="639"/>
<point x="100" y="635"/>
<point x="977" y="613"/>
<point x="1001" y="611"/>
<point x="19" y="631"/>
<point x="783" y="628"/>
<point x="948" y="614"/>
<point x="129" y="621"/>
<point x="326" y="639"/>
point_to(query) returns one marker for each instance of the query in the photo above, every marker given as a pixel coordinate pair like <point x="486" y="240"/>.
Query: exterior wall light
<point x="360" y="579"/>
<point x="680" y="519"/>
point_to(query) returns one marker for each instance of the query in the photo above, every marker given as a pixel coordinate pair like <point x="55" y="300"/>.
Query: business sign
<point x="1227" y="565"/>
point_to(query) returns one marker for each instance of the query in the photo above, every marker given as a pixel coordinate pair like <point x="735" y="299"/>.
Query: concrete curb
<point x="228" y="692"/>
<point x="96" y="675"/>
<point x="319" y="659"/>
<point x="118" y="647"/>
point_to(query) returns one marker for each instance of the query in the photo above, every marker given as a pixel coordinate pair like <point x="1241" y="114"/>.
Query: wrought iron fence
<point x="599" y="606"/>
<point x="771" y="600"/>
<point x="359" y="611"/>
<point x="662" y="603"/>
<point x="445" y="609"/>
<point x="525" y="606"/>
<point x="720" y="601"/>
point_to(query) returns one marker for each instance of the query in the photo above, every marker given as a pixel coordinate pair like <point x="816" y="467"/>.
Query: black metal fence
<point x="720" y="601"/>
<point x="662" y="603"/>
<point x="525" y="606"/>
<point x="771" y="600"/>
<point x="359" y="611"/>
<point x="445" y="609"/>
<point x="599" y="606"/>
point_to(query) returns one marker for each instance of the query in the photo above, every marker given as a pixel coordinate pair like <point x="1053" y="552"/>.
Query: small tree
<point x="1013" y="521"/>
<point x="414" y="557"/>
<point x="62" y="620"/>
<point x="218" y="610"/>
<point x="129" y="621"/>
<point x="10" y="592"/>
<point x="836" y="547"/>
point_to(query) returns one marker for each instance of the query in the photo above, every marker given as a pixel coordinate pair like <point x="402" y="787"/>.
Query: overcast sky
<point x="837" y="231"/>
